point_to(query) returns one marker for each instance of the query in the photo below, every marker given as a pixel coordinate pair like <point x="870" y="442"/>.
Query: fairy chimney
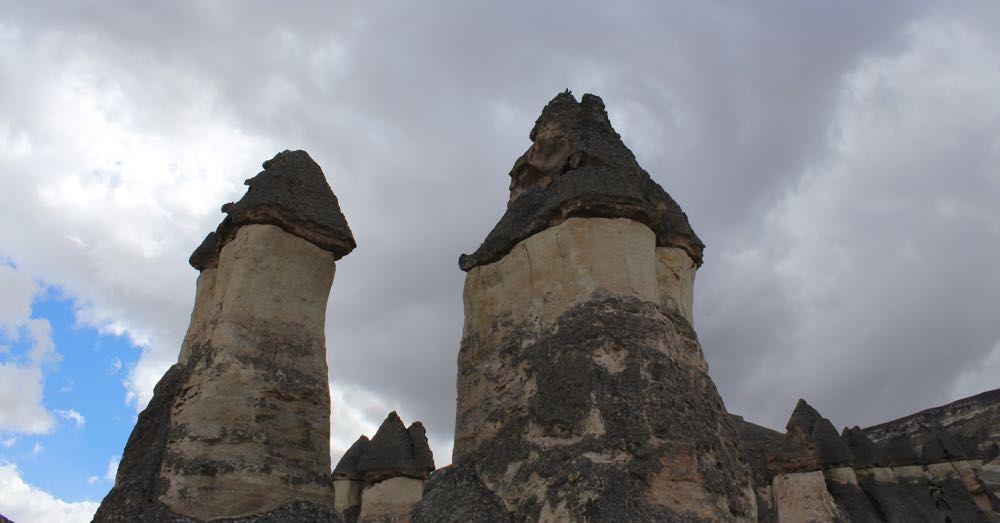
<point x="583" y="393"/>
<point x="241" y="423"/>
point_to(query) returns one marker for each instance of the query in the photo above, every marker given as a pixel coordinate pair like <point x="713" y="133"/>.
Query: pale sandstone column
<point x="240" y="425"/>
<point x="583" y="394"/>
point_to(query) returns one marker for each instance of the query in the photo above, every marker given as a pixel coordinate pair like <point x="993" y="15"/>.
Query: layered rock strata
<point x="974" y="421"/>
<point x="238" y="428"/>
<point x="811" y="474"/>
<point x="381" y="479"/>
<point x="583" y="394"/>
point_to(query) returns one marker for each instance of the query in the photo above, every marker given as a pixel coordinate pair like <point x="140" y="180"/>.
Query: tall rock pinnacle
<point x="240" y="425"/>
<point x="583" y="394"/>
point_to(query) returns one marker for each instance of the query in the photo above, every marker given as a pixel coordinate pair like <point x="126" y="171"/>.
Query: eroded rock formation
<point x="381" y="479"/>
<point x="583" y="393"/>
<point x="811" y="474"/>
<point x="974" y="421"/>
<point x="238" y="428"/>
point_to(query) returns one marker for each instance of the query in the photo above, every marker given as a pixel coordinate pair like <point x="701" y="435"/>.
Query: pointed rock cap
<point x="816" y="432"/>
<point x="347" y="467"/>
<point x="866" y="453"/>
<point x="578" y="166"/>
<point x="396" y="451"/>
<point x="291" y="193"/>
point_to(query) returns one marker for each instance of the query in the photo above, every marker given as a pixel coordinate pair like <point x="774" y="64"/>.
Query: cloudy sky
<point x="841" y="161"/>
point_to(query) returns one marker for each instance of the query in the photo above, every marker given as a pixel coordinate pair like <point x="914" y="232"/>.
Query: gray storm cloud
<point x="840" y="162"/>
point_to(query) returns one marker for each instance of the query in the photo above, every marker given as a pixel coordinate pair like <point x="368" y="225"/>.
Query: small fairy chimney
<point x="381" y="479"/>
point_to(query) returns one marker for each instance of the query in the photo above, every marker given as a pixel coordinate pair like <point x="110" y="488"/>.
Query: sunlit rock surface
<point x="239" y="428"/>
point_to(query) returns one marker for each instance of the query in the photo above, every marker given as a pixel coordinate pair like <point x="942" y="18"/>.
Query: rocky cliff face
<point x="975" y="421"/>
<point x="239" y="427"/>
<point x="916" y="471"/>
<point x="583" y="393"/>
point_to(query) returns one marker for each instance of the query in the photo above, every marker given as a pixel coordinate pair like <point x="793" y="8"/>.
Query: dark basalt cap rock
<point x="347" y="467"/>
<point x="866" y="453"/>
<point x="809" y="427"/>
<point x="396" y="451"/>
<point x="899" y="452"/>
<point x="206" y="256"/>
<point x="291" y="193"/>
<point x="942" y="445"/>
<point x="579" y="167"/>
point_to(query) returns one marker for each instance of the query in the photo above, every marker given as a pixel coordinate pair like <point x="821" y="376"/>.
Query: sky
<point x="840" y="160"/>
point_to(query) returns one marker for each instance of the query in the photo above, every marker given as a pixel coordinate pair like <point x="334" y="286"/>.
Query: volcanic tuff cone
<point x="239" y="426"/>
<point x="583" y="394"/>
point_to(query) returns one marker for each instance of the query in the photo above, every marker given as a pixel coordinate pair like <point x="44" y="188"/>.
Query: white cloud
<point x="112" y="470"/>
<point x="15" y="300"/>
<point x="36" y="449"/>
<point x="355" y="412"/>
<point x="156" y="169"/>
<point x="24" y="503"/>
<point x="93" y="480"/>
<point x="73" y="416"/>
<point x="9" y="442"/>
<point x="981" y="377"/>
<point x="22" y="372"/>
<point x="358" y="411"/>
<point x="884" y="247"/>
<point x="21" y="408"/>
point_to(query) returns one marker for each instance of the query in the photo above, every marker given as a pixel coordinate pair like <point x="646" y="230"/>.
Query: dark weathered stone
<point x="396" y="451"/>
<point x="298" y="511"/>
<point x="134" y="497"/>
<point x="423" y="458"/>
<point x="853" y="502"/>
<point x="757" y="442"/>
<point x="206" y="256"/>
<point x="923" y="499"/>
<point x="814" y="431"/>
<point x="291" y="193"/>
<point x="579" y="167"/>
<point x="899" y="452"/>
<point x="940" y="445"/>
<point x="902" y="502"/>
<point x="956" y="501"/>
<point x="4" y="519"/>
<point x="455" y="494"/>
<point x="973" y="420"/>
<point x="663" y="427"/>
<point x="866" y="453"/>
<point x="347" y="467"/>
